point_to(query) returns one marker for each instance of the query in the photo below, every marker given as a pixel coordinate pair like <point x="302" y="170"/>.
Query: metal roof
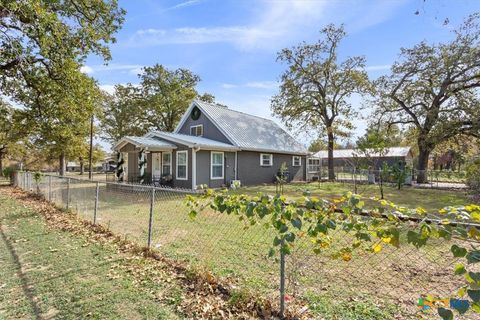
<point x="350" y="153"/>
<point x="193" y="141"/>
<point x="145" y="142"/>
<point x="249" y="132"/>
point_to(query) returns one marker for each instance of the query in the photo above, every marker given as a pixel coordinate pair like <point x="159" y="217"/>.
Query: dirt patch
<point x="203" y="296"/>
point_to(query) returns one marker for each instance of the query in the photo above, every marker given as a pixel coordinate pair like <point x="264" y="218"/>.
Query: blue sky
<point x="232" y="45"/>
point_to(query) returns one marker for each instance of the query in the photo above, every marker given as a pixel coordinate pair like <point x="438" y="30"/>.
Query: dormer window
<point x="196" y="130"/>
<point x="195" y="114"/>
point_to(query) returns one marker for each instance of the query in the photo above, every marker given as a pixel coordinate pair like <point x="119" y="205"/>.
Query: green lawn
<point x="368" y="287"/>
<point x="46" y="274"/>
<point x="382" y="286"/>
<point x="430" y="199"/>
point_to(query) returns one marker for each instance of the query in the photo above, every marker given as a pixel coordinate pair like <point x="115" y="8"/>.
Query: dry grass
<point x="386" y="285"/>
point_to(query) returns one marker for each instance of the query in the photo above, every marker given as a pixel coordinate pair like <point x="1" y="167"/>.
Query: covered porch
<point x="145" y="160"/>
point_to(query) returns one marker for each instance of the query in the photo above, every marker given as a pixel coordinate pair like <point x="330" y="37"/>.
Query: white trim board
<point x="211" y="165"/>
<point x="186" y="165"/>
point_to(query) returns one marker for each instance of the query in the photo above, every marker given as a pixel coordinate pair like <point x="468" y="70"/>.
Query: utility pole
<point x="90" y="155"/>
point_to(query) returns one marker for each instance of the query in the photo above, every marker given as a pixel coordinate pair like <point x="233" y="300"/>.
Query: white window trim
<point x="186" y="165"/>
<point x="293" y="161"/>
<point x="309" y="165"/>
<point x="196" y="126"/>
<point x="261" y="159"/>
<point x="169" y="165"/>
<point x="211" y="165"/>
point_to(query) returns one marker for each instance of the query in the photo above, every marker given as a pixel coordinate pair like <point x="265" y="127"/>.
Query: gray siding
<point x="148" y="170"/>
<point x="204" y="169"/>
<point x="251" y="173"/>
<point x="132" y="166"/>
<point x="128" y="148"/>
<point x="210" y="131"/>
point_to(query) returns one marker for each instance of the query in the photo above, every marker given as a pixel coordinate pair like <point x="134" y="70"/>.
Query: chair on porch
<point x="156" y="180"/>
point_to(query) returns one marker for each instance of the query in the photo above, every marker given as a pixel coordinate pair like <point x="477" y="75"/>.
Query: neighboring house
<point x="348" y="158"/>
<point x="109" y="164"/>
<point x="72" y="166"/>
<point x="212" y="145"/>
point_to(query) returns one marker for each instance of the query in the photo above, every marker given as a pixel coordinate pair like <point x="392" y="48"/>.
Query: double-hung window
<point x="182" y="165"/>
<point x="196" y="130"/>
<point x="217" y="164"/>
<point x="166" y="163"/>
<point x="313" y="165"/>
<point x="296" y="161"/>
<point x="266" y="159"/>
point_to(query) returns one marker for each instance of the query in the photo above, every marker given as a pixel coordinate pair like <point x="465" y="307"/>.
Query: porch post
<point x="194" y="169"/>
<point x="120" y="168"/>
<point x="142" y="161"/>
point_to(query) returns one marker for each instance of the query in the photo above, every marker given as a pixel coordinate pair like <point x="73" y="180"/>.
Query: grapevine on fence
<point x="382" y="226"/>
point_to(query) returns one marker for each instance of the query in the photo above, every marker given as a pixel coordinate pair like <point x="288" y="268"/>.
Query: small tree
<point x="373" y="146"/>
<point x="281" y="178"/>
<point x="473" y="178"/>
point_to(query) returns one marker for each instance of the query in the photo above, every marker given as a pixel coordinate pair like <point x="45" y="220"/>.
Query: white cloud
<point x="86" y="69"/>
<point x="274" y="24"/>
<point x="132" y="68"/>
<point x="262" y="85"/>
<point x="109" y="88"/>
<point x="228" y="85"/>
<point x="136" y="71"/>
<point x="381" y="67"/>
<point x="184" y="4"/>
<point x="254" y="84"/>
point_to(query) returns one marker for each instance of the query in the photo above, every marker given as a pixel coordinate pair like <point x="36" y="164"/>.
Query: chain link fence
<point x="387" y="285"/>
<point x="440" y="179"/>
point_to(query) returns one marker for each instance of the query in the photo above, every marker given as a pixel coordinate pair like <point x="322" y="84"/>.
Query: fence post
<point x="50" y="188"/>
<point x="68" y="193"/>
<point x="96" y="204"/>
<point x="282" y="281"/>
<point x="150" y="221"/>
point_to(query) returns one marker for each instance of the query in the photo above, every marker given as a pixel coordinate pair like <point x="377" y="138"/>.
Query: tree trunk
<point x="331" y="170"/>
<point x="424" y="153"/>
<point x="61" y="169"/>
<point x="82" y="166"/>
<point x="1" y="163"/>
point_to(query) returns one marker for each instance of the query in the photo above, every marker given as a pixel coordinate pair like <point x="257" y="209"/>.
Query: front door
<point x="157" y="166"/>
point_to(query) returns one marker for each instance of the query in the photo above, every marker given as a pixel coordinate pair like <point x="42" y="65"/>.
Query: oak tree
<point x="166" y="95"/>
<point x="41" y="38"/>
<point x="122" y="114"/>
<point x="315" y="88"/>
<point x="434" y="89"/>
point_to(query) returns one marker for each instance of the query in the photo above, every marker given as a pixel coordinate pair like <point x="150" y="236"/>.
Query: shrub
<point x="473" y="178"/>
<point x="7" y="172"/>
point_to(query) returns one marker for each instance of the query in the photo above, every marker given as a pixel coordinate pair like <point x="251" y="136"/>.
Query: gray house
<point x="214" y="146"/>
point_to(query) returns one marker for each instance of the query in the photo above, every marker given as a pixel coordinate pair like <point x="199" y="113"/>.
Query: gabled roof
<point x="248" y="132"/>
<point x="193" y="141"/>
<point x="350" y="153"/>
<point x="145" y="142"/>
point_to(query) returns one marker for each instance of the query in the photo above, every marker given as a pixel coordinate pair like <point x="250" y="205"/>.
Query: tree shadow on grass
<point x="27" y="290"/>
